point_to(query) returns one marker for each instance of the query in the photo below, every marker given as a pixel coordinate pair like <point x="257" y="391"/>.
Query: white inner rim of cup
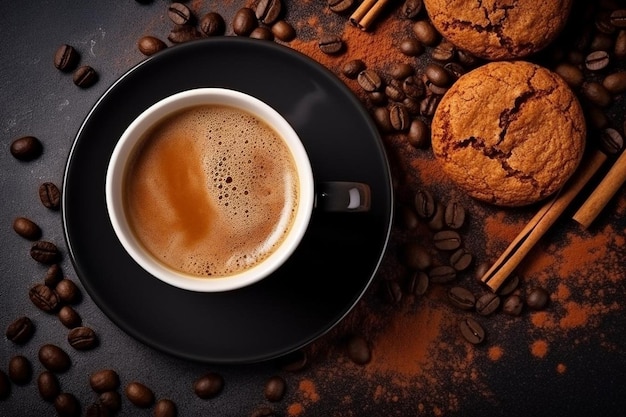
<point x="131" y="138"/>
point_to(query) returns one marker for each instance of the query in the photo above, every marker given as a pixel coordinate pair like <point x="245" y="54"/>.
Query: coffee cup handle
<point x="343" y="196"/>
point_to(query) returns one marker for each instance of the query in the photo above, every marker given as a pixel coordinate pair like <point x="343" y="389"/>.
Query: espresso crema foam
<point x="211" y="191"/>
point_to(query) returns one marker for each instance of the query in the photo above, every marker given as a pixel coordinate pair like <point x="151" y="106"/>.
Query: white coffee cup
<point x="351" y="196"/>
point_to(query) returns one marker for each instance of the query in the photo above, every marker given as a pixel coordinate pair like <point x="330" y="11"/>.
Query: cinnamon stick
<point x="599" y="198"/>
<point x="365" y="15"/>
<point x="541" y="222"/>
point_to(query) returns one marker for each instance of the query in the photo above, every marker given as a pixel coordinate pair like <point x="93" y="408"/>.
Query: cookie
<point x="499" y="29"/>
<point x="509" y="133"/>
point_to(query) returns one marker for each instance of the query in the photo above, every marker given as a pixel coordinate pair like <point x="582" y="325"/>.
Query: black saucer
<point x="327" y="274"/>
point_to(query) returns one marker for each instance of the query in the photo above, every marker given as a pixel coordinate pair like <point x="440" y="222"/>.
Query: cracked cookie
<point x="509" y="133"/>
<point x="499" y="29"/>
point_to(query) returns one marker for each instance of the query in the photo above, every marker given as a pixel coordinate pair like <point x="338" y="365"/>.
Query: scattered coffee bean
<point x="412" y="8"/>
<point x="454" y="215"/>
<point x="244" y="21"/>
<point x="382" y="119"/>
<point x="264" y="411"/>
<point x="85" y="76"/>
<point x="53" y="358"/>
<point x="419" y="134"/>
<point x="411" y="47"/>
<point x="455" y="70"/>
<point x="82" y="338"/>
<point x="44" y="298"/>
<point x="54" y="274"/>
<point x="26" y="228"/>
<point x="111" y="400"/>
<point x="537" y="299"/>
<point x="437" y="222"/>
<point x="340" y="6"/>
<point x="442" y="274"/>
<point x="104" y="380"/>
<point x="471" y="330"/>
<point x="66" y="58"/>
<point x="619" y="49"/>
<point x="391" y="291"/>
<point x="444" y="51"/>
<point x="20" y="370"/>
<point x="283" y="31"/>
<point x="571" y="74"/>
<point x="139" y="394"/>
<point x="268" y="11"/>
<point x="209" y="385"/>
<point x="447" y="240"/>
<point x="461" y="259"/>
<point x="98" y="410"/>
<point x="378" y="98"/>
<point x="510" y="284"/>
<point x="180" y="14"/>
<point x="184" y="33"/>
<point x="45" y="252"/>
<point x="461" y="298"/>
<point x="399" y="117"/>
<point x="20" y="330"/>
<point x="596" y="93"/>
<point x="330" y="44"/>
<point x="437" y="75"/>
<point x="262" y="33"/>
<point x="413" y="106"/>
<point x="429" y="104"/>
<point x="150" y="45"/>
<point x="5" y="385"/>
<point x="417" y="257"/>
<point x="26" y="148"/>
<point x="618" y="18"/>
<point x="615" y="83"/>
<point x="69" y="317"/>
<point x="165" y="408"/>
<point x="295" y="361"/>
<point x="611" y="141"/>
<point x="212" y="24"/>
<point x="417" y="283"/>
<point x="369" y="80"/>
<point x="513" y="305"/>
<point x="358" y="350"/>
<point x="352" y="68"/>
<point x="67" y="405"/>
<point x="67" y="291"/>
<point x="50" y="195"/>
<point x="426" y="32"/>
<point x="400" y="70"/>
<point x="394" y="91"/>
<point x="481" y="270"/>
<point x="275" y="388"/>
<point x="425" y="204"/>
<point x="48" y="386"/>
<point x="597" y="60"/>
<point x="413" y="87"/>
<point x="487" y="304"/>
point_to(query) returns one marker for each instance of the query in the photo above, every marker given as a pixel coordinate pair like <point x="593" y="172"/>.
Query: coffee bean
<point x="471" y="330"/>
<point x="417" y="257"/>
<point x="66" y="58"/>
<point x="379" y="98"/>
<point x="358" y="350"/>
<point x="98" y="410"/>
<point x="611" y="141"/>
<point x="391" y="291"/>
<point x="275" y="388"/>
<point x="381" y="117"/>
<point x="20" y="330"/>
<point x="264" y="411"/>
<point x="165" y="408"/>
<point x="424" y="204"/>
<point x="369" y="80"/>
<point x="69" y="317"/>
<point x="111" y="400"/>
<point x="352" y="68"/>
<point x="429" y="104"/>
<point x="44" y="298"/>
<point x="53" y="358"/>
<point x="447" y="240"/>
<point x="400" y="70"/>
<point x="184" y="33"/>
<point x="20" y="370"/>
<point x="50" y="195"/>
<point x="461" y="259"/>
<point x="419" y="134"/>
<point x="433" y="88"/>
<point x="330" y="44"/>
<point x="444" y="51"/>
<point x="572" y="75"/>
<point x="268" y="11"/>
<point x="596" y="93"/>
<point x="26" y="148"/>
<point x="597" y="60"/>
<point x="212" y="24"/>
<point x="615" y="83"/>
<point x="454" y="215"/>
<point x="54" y="274"/>
<point x="442" y="274"/>
<point x="412" y="8"/>
<point x="417" y="283"/>
<point x="413" y="87"/>
<point x="425" y="32"/>
<point x="411" y="47"/>
<point x="481" y="270"/>
<point x="104" y="380"/>
<point x="48" y="386"/>
<point x="537" y="299"/>
<point x="340" y="6"/>
<point x="283" y="31"/>
<point x="510" y="284"/>
<point x="461" y="298"/>
<point x="262" y="33"/>
<point x="413" y="107"/>
<point x="26" y="228"/>
<point x="436" y="222"/>
<point x="399" y="117"/>
<point x="45" y="252"/>
<point x="487" y="304"/>
<point x="618" y="18"/>
<point x="139" y="394"/>
<point x="82" y="338"/>
<point x="513" y="305"/>
<point x="179" y="13"/>
<point x="437" y="75"/>
<point x="67" y="405"/>
<point x="244" y="21"/>
<point x="209" y="385"/>
<point x="455" y="70"/>
<point x="5" y="385"/>
<point x="150" y="45"/>
<point x="67" y="291"/>
<point x="295" y="361"/>
<point x="619" y="49"/>
<point x="85" y="76"/>
<point x="394" y="91"/>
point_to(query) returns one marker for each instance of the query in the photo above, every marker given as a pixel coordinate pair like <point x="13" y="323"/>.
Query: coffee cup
<point x="211" y="189"/>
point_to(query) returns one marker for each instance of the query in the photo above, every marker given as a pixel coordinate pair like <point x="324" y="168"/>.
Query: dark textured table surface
<point x="569" y="359"/>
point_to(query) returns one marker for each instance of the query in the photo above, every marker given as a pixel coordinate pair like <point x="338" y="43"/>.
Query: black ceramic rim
<point x="327" y="274"/>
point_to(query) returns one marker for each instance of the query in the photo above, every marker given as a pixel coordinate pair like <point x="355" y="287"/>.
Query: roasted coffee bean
<point x="268" y="11"/>
<point x="85" y="76"/>
<point x="537" y="299"/>
<point x="139" y="394"/>
<point x="82" y="338"/>
<point x="262" y="33"/>
<point x="447" y="240"/>
<point x="111" y="400"/>
<point x="394" y="90"/>
<point x="430" y="86"/>
<point x="54" y="274"/>
<point x="471" y="330"/>
<point x="20" y="370"/>
<point x="437" y="222"/>
<point x="283" y="31"/>
<point x="53" y="358"/>
<point x="425" y="204"/>
<point x="294" y="361"/>
<point x="67" y="405"/>
<point x="391" y="292"/>
<point x="437" y="75"/>
<point x="69" y="317"/>
<point x="597" y="60"/>
<point x="165" y="408"/>
<point x="212" y="24"/>
<point x="454" y="215"/>
<point x="150" y="45"/>
<point x="44" y="298"/>
<point x="411" y="47"/>
<point x="50" y="195"/>
<point x="352" y="68"/>
<point x="378" y="98"/>
<point x="412" y="105"/>
<point x="340" y="6"/>
<point x="611" y="141"/>
<point x="184" y="33"/>
<point x="66" y="58"/>
<point x="455" y="69"/>
<point x="412" y="8"/>
<point x="104" y="380"/>
<point x="180" y="14"/>
<point x="413" y="87"/>
<point x="358" y="350"/>
<point x="572" y="75"/>
<point x="509" y="285"/>
<point x="417" y="283"/>
<point x="417" y="257"/>
<point x="461" y="259"/>
<point x="487" y="304"/>
<point x="5" y="385"/>
<point x="98" y="410"/>
<point x="26" y="228"/>
<point x="399" y="117"/>
<point x="369" y="80"/>
<point x="45" y="252"/>
<point x="425" y="32"/>
<point x="48" y="386"/>
<point x="264" y="411"/>
<point x="618" y="18"/>
<point x="466" y="59"/>
<point x="603" y="22"/>
<point x="615" y="83"/>
<point x="444" y="51"/>
<point x="461" y="298"/>
<point x="419" y="134"/>
<point x="619" y="49"/>
<point x="275" y="388"/>
<point x="381" y="117"/>
<point x="601" y="42"/>
<point x="244" y="21"/>
<point x="481" y="270"/>
<point x="429" y="104"/>
<point x="67" y="291"/>
<point x="20" y="330"/>
<point x="330" y="44"/>
<point x="596" y="93"/>
<point x="400" y="70"/>
<point x="209" y="385"/>
<point x="442" y="274"/>
<point x="26" y="148"/>
<point x="513" y="305"/>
